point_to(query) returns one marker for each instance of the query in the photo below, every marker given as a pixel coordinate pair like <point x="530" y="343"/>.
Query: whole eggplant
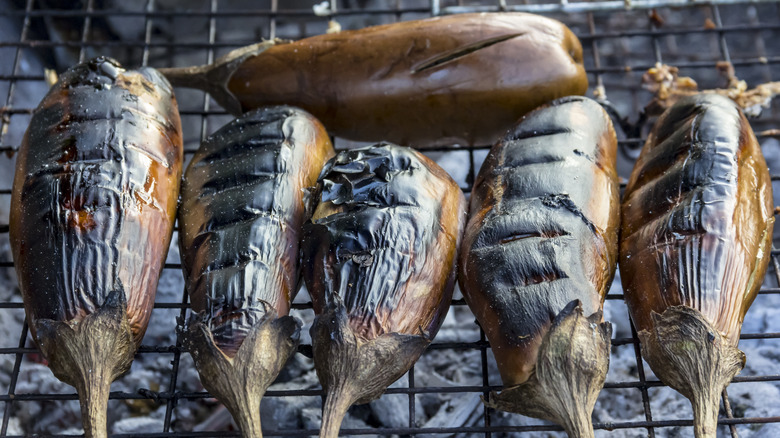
<point x="379" y="256"/>
<point x="451" y="79"/>
<point x="92" y="212"/>
<point x="695" y="243"/>
<point x="538" y="256"/>
<point x="242" y="209"/>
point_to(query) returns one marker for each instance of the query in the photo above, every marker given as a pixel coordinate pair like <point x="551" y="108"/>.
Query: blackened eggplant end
<point x="354" y="370"/>
<point x="240" y="381"/>
<point x="570" y="371"/>
<point x="689" y="354"/>
<point x="89" y="354"/>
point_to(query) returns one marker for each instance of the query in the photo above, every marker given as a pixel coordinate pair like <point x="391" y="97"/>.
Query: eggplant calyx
<point x="687" y="353"/>
<point x="214" y="78"/>
<point x="90" y="354"/>
<point x="570" y="371"/>
<point x="354" y="370"/>
<point x="239" y="382"/>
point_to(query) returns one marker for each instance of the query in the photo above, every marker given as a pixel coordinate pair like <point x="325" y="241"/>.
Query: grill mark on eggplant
<point x="539" y="188"/>
<point x="243" y="192"/>
<point x="706" y="176"/>
<point x="689" y="275"/>
<point x="460" y="52"/>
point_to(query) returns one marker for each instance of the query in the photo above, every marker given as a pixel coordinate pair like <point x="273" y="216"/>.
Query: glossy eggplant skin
<point x="460" y="78"/>
<point x="697" y="217"/>
<point x="383" y="240"/>
<point x="242" y="210"/>
<point x="95" y="192"/>
<point x="542" y="229"/>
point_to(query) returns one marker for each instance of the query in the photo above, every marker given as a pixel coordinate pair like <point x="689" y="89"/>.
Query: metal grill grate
<point x="621" y="39"/>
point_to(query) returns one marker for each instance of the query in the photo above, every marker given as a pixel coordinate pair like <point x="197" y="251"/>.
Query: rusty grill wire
<point x="601" y="26"/>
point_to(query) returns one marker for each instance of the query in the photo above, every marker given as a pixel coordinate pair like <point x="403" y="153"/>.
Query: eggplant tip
<point x="570" y="371"/>
<point x="687" y="353"/>
<point x="239" y="382"/>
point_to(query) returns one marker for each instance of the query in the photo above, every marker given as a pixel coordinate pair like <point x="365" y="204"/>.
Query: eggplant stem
<point x="355" y="370"/>
<point x="93" y="398"/>
<point x="90" y="354"/>
<point x="687" y="353"/>
<point x="336" y="405"/>
<point x="239" y="382"/>
<point x="570" y="371"/>
<point x="214" y="78"/>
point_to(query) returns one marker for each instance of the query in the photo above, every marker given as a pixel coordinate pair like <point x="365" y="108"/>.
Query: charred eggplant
<point x="92" y="212"/>
<point x="538" y="256"/>
<point x="241" y="214"/>
<point x="380" y="254"/>
<point x="454" y="79"/>
<point x="695" y="243"/>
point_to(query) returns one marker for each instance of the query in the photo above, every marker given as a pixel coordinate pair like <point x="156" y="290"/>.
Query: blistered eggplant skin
<point x="95" y="192"/>
<point x="92" y="212"/>
<point x="460" y="78"/>
<point x="695" y="244"/>
<point x="698" y="216"/>
<point x="241" y="216"/>
<point x="542" y="229"/>
<point x="380" y="253"/>
<point x="383" y="239"/>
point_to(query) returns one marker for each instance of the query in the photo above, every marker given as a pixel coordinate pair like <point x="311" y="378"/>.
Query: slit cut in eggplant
<point x="92" y="212"/>
<point x="459" y="78"/>
<point x="538" y="256"/>
<point x="379" y="256"/>
<point x="695" y="244"/>
<point x="242" y="208"/>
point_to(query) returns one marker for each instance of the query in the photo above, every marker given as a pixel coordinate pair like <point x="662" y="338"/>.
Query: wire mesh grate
<point x="621" y="39"/>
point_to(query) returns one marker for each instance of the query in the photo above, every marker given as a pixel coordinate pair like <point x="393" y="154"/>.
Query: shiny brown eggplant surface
<point x="95" y="192"/>
<point x="242" y="208"/>
<point x="454" y="79"/>
<point x="380" y="252"/>
<point x="93" y="205"/>
<point x="241" y="214"/>
<point x="695" y="243"/>
<point x="698" y="218"/>
<point x="542" y="237"/>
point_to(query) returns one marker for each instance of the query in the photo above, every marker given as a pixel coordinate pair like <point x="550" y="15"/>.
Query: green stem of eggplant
<point x="336" y="406"/>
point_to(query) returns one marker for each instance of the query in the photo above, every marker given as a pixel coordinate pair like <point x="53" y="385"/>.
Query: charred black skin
<point x="93" y="206"/>
<point x="380" y="253"/>
<point x="539" y="254"/>
<point x="694" y="246"/>
<point x="241" y="214"/>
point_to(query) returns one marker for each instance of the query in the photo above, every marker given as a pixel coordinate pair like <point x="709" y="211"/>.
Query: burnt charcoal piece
<point x="92" y="212"/>
<point x="460" y="78"/>
<point x="539" y="254"/>
<point x="695" y="243"/>
<point x="242" y="208"/>
<point x="379" y="260"/>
